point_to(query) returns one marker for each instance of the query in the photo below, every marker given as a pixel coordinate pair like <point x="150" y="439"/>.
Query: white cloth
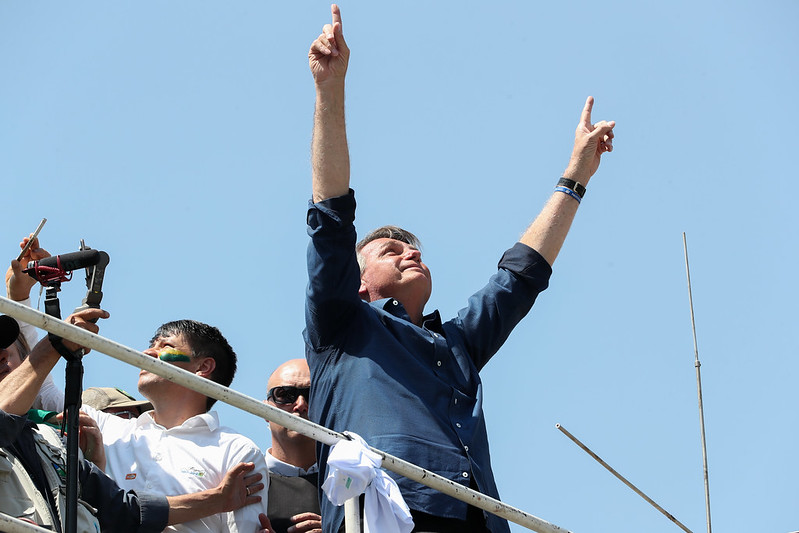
<point x="354" y="469"/>
<point x="143" y="456"/>
<point x="276" y="466"/>
<point x="28" y="330"/>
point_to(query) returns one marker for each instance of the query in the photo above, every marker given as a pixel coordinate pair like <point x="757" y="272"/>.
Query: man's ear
<point x="363" y="292"/>
<point x="206" y="368"/>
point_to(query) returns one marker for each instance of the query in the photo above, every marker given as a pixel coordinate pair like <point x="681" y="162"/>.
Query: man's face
<point x="173" y="349"/>
<point x="123" y="412"/>
<point x="394" y="269"/>
<point x="9" y="360"/>
<point x="294" y="375"/>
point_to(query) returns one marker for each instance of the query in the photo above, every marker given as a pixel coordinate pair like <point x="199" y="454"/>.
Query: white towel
<point x="354" y="469"/>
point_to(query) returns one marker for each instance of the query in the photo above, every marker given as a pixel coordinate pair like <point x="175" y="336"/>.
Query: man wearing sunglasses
<point x="293" y="474"/>
<point x="405" y="380"/>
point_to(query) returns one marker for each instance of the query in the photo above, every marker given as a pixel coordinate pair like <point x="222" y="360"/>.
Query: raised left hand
<point x="590" y="142"/>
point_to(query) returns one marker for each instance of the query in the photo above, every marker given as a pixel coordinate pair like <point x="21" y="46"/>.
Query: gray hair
<point x="385" y="232"/>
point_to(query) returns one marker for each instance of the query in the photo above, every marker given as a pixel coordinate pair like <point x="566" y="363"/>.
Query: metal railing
<point x="268" y="412"/>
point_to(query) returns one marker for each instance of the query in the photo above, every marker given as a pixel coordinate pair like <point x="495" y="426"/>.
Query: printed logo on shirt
<point x="194" y="471"/>
<point x="130" y="476"/>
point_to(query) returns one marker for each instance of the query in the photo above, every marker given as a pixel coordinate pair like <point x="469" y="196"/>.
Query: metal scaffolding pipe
<point x="9" y="524"/>
<point x="268" y="412"/>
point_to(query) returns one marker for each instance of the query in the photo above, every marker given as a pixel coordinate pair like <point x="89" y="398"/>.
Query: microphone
<point x="70" y="261"/>
<point x="56" y="267"/>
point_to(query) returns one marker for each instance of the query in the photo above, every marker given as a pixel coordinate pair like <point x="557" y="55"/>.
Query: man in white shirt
<point x="293" y="474"/>
<point x="178" y="447"/>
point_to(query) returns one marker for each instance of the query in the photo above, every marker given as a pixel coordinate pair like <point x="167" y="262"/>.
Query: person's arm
<point x="18" y="288"/>
<point x="237" y="490"/>
<point x="19" y="389"/>
<point x="333" y="275"/>
<point x="130" y="511"/>
<point x="547" y="233"/>
<point x="330" y="159"/>
<point x="19" y="284"/>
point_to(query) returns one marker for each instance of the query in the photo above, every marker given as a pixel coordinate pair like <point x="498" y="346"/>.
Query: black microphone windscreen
<point x="70" y="261"/>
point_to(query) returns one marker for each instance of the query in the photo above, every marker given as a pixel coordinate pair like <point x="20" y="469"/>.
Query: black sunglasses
<point x="286" y="395"/>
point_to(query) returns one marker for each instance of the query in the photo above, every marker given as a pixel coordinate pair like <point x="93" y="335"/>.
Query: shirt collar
<point x="209" y="419"/>
<point x="285" y="469"/>
<point x="431" y="321"/>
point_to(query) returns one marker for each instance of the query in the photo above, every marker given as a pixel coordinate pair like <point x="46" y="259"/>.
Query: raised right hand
<point x="19" y="284"/>
<point x="329" y="54"/>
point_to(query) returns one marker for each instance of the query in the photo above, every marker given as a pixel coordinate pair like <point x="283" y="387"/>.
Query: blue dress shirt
<point x="411" y="391"/>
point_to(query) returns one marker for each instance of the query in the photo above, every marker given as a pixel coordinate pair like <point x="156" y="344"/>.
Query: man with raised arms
<point x="404" y="380"/>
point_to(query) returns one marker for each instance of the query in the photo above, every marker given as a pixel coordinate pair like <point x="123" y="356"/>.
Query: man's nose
<point x="301" y="405"/>
<point x="152" y="352"/>
<point x="413" y="254"/>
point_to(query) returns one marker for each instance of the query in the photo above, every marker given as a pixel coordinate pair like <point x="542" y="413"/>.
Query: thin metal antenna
<point x="697" y="364"/>
<point x="610" y="469"/>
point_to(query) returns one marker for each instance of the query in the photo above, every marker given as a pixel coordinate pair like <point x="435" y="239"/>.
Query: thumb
<point x="16" y="266"/>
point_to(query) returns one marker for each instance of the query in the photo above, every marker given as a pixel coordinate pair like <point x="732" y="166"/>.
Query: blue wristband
<point x="570" y="192"/>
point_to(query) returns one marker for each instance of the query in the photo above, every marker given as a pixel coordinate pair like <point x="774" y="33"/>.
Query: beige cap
<point x="104" y="397"/>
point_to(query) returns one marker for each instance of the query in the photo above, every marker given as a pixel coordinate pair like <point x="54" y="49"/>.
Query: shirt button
<point x="456" y="401"/>
<point x="457" y="424"/>
<point x="394" y="302"/>
<point x="438" y="363"/>
<point x="465" y="474"/>
<point x="466" y="448"/>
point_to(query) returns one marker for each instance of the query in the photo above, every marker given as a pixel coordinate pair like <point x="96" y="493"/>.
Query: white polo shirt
<point x="143" y="456"/>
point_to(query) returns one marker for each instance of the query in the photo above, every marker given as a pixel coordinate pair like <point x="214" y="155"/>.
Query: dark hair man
<point x="32" y="481"/>
<point x="179" y="446"/>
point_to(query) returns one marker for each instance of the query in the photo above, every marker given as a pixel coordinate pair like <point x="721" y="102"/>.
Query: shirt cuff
<point x="154" y="512"/>
<point x="527" y="263"/>
<point x="337" y="211"/>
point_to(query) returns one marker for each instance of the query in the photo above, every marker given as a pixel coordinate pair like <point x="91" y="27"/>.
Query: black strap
<point x="65" y="352"/>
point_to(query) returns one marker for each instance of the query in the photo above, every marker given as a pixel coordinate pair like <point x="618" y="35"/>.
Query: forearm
<point x="330" y="159"/>
<point x="19" y="389"/>
<point x="548" y="231"/>
<point x="188" y="507"/>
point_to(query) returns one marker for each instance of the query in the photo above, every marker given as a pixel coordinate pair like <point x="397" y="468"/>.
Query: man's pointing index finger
<point x="585" y="118"/>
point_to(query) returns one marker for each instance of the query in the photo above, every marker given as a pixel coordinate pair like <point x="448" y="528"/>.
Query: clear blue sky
<point x="174" y="135"/>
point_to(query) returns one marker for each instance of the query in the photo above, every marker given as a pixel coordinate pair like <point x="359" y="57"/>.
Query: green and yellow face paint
<point x="173" y="355"/>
